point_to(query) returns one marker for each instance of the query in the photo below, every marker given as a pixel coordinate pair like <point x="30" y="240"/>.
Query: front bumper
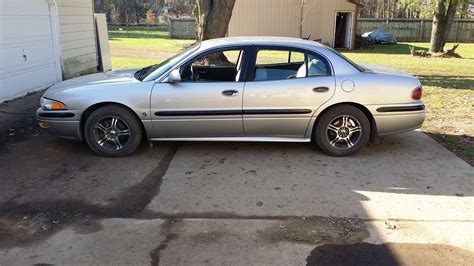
<point x="64" y="124"/>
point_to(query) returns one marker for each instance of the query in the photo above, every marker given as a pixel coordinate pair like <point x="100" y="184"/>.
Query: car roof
<point x="257" y="40"/>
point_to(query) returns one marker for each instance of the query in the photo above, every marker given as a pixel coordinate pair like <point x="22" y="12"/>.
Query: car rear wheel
<point x="113" y="131"/>
<point x="342" y="131"/>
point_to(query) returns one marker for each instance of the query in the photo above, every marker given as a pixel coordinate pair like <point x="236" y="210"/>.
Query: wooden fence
<point x="409" y="30"/>
<point x="404" y="30"/>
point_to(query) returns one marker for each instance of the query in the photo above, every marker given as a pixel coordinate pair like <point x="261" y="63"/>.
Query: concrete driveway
<point x="407" y="200"/>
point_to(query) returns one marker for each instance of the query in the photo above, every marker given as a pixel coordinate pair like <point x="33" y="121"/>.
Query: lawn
<point x="448" y="83"/>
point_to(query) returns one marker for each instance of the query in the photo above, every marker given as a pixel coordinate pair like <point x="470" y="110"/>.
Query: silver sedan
<point x="237" y="89"/>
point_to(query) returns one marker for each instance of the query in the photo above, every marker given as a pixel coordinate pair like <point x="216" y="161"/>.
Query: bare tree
<point x="213" y="17"/>
<point x="304" y="15"/>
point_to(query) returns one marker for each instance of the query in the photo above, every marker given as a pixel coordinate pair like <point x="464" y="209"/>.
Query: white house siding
<point x="77" y="37"/>
<point x="281" y="18"/>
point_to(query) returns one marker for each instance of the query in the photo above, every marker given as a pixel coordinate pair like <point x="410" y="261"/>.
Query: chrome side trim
<point x="410" y="108"/>
<point x="234" y="112"/>
<point x="237" y="139"/>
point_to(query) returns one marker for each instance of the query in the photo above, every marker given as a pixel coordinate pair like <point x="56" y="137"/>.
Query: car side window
<point x="317" y="66"/>
<point x="287" y="64"/>
<point x="219" y="66"/>
<point x="278" y="64"/>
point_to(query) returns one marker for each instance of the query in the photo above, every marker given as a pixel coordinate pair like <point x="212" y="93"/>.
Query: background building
<point x="331" y="21"/>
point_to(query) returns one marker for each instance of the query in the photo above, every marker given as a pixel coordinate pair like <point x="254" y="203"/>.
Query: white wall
<point x="28" y="54"/>
<point x="77" y="37"/>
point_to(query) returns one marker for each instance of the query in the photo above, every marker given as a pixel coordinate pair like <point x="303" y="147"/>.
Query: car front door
<point x="285" y="87"/>
<point x="207" y="102"/>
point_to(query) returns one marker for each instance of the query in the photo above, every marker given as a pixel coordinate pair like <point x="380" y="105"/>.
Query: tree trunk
<point x="442" y="22"/>
<point x="213" y="17"/>
<point x="437" y="33"/>
<point x="301" y="18"/>
<point x="449" y="19"/>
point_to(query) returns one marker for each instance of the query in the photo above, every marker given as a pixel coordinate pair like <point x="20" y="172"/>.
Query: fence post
<point x="388" y="25"/>
<point x="456" y="32"/>
<point x="422" y="31"/>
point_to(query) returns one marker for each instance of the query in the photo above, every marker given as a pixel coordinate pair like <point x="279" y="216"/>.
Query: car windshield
<point x="159" y="69"/>
<point x="358" y="67"/>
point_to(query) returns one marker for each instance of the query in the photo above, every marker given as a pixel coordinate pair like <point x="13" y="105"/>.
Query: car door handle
<point x="230" y="93"/>
<point x="321" y="89"/>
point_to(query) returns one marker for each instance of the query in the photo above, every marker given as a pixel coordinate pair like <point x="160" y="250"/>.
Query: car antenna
<point x="307" y="38"/>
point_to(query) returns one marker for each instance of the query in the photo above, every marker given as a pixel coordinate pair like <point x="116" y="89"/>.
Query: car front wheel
<point x="342" y="131"/>
<point x="113" y="131"/>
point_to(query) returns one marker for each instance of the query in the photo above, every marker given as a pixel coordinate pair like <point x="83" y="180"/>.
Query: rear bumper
<point x="63" y="124"/>
<point x="398" y="118"/>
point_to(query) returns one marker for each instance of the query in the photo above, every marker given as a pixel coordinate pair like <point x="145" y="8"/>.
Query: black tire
<point x="113" y="131"/>
<point x="335" y="138"/>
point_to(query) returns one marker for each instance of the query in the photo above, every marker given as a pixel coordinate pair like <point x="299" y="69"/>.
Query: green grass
<point x="151" y="44"/>
<point x="121" y="62"/>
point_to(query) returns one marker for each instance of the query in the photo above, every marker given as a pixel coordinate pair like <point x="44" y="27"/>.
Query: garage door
<point x="26" y="47"/>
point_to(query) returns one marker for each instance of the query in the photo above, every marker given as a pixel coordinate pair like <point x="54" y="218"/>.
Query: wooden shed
<point x="331" y="21"/>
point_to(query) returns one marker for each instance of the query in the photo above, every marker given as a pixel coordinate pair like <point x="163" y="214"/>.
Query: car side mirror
<point x="175" y="76"/>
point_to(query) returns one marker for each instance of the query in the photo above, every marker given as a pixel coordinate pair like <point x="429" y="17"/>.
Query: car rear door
<point x="284" y="87"/>
<point x="206" y="103"/>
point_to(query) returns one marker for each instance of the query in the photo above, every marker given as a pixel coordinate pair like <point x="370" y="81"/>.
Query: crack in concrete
<point x="151" y="215"/>
<point x="166" y="229"/>
<point x="14" y="113"/>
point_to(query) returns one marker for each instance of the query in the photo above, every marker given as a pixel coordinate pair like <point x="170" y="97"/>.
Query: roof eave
<point x="355" y="3"/>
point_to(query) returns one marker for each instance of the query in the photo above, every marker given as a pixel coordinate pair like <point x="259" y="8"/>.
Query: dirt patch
<point x="22" y="231"/>
<point x="389" y="254"/>
<point x="127" y="52"/>
<point x="18" y="121"/>
<point x="316" y="230"/>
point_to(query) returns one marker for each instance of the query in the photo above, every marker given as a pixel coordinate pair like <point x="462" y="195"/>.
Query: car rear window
<point x="352" y="63"/>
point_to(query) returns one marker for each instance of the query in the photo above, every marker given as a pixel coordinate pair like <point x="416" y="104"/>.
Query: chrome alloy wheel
<point x="343" y="132"/>
<point x="111" y="132"/>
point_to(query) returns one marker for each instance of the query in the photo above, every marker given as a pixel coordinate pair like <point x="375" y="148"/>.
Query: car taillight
<point x="417" y="93"/>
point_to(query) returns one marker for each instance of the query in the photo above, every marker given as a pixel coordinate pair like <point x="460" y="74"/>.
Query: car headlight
<point x="52" y="105"/>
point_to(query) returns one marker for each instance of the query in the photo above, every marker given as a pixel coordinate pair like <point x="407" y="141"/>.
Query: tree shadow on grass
<point x="114" y="35"/>
<point x="448" y="82"/>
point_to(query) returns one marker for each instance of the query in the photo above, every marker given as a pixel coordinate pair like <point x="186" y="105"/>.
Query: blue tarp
<point x="380" y="36"/>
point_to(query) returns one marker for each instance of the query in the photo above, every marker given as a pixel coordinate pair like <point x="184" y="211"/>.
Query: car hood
<point x="98" y="79"/>
<point x="378" y="69"/>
